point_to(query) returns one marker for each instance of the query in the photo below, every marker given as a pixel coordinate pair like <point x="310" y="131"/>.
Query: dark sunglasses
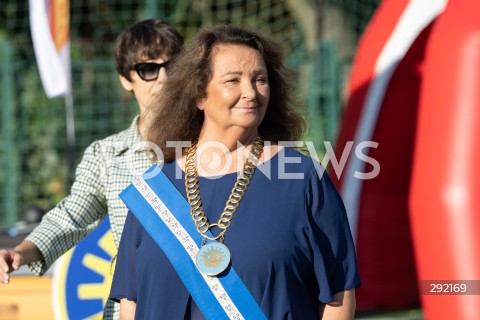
<point x="148" y="71"/>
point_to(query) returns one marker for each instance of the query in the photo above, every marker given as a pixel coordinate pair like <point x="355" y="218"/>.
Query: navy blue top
<point x="289" y="240"/>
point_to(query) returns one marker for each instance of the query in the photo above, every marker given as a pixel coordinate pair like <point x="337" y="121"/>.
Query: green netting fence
<point x="318" y="38"/>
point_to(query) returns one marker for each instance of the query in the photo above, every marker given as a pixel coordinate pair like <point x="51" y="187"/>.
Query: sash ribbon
<point x="169" y="223"/>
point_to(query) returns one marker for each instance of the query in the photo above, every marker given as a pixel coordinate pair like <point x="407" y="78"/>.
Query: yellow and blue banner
<point x="83" y="276"/>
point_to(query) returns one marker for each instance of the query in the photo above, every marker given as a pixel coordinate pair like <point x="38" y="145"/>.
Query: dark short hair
<point x="147" y="39"/>
<point x="175" y="116"/>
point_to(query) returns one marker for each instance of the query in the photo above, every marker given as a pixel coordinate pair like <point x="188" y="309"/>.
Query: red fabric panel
<point x="445" y="194"/>
<point x="384" y="244"/>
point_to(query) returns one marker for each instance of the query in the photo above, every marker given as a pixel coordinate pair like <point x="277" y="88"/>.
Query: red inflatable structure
<point x="413" y="90"/>
<point x="445" y="194"/>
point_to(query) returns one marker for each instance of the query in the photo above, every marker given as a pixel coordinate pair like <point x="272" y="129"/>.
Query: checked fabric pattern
<point x="108" y="166"/>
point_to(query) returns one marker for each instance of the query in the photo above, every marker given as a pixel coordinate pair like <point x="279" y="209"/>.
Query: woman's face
<point x="238" y="93"/>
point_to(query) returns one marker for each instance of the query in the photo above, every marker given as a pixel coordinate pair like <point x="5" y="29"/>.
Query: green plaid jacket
<point x="108" y="166"/>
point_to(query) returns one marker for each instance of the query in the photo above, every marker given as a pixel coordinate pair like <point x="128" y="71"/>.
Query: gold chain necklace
<point x="214" y="257"/>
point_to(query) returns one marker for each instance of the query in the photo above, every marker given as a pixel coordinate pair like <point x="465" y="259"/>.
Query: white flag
<point x="49" y="26"/>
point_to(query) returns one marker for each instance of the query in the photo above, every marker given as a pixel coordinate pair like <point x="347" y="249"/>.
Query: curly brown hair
<point x="174" y="115"/>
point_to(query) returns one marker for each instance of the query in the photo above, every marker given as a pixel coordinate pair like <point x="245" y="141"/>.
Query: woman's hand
<point x="127" y="309"/>
<point x="10" y="260"/>
<point x="341" y="308"/>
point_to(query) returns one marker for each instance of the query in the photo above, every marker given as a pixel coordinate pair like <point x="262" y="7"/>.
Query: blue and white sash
<point x="169" y="223"/>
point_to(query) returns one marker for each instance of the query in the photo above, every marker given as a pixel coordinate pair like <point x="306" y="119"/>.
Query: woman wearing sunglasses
<point x="142" y="53"/>
<point x="144" y="70"/>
